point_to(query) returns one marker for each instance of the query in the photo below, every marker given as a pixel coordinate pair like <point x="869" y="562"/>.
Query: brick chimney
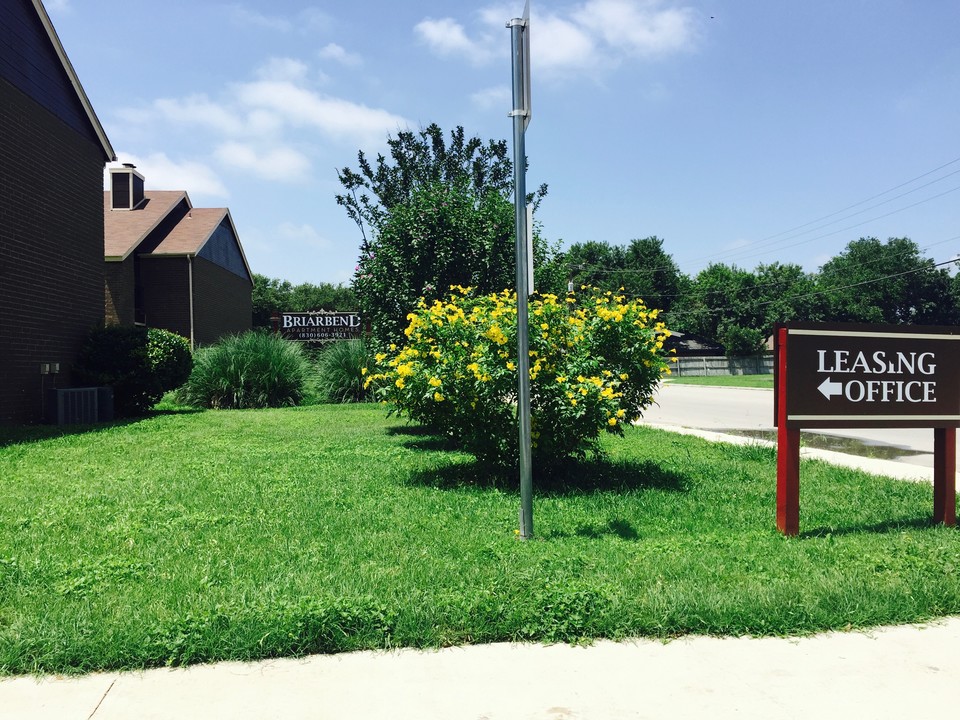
<point x="126" y="187"/>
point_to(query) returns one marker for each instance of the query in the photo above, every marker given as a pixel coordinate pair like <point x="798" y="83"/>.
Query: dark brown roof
<point x="190" y="234"/>
<point x="123" y="230"/>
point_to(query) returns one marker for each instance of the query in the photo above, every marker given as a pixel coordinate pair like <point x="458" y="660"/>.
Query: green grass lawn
<point x="192" y="537"/>
<point x="748" y="381"/>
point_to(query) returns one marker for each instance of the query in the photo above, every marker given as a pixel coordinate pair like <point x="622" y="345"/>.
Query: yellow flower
<point x="511" y="366"/>
<point x="435" y="382"/>
<point x="400" y="383"/>
<point x="612" y="421"/>
<point x="363" y="371"/>
<point x="438" y="397"/>
<point x="621" y="412"/>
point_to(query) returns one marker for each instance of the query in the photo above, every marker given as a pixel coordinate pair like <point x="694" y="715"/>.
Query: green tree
<point x="444" y="236"/>
<point x="787" y="294"/>
<point x="271" y="295"/>
<point x="422" y="159"/>
<point x="433" y="215"/>
<point x="642" y="268"/>
<point x="723" y="303"/>
<point x="891" y="282"/>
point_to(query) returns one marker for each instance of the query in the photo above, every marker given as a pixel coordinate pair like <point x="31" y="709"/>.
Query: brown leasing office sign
<point x="864" y="376"/>
<point x="318" y="326"/>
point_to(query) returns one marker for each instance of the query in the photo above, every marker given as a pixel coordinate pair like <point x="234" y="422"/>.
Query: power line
<point x="761" y="242"/>
<point x="599" y="269"/>
<point x="855" y="225"/>
<point x="713" y="311"/>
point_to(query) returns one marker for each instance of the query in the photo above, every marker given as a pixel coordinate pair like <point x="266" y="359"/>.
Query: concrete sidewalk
<point x="898" y="672"/>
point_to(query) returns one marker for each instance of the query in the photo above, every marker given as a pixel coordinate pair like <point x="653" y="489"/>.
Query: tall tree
<point x="642" y="268"/>
<point x="271" y="295"/>
<point x="419" y="160"/>
<point x="786" y="293"/>
<point x="433" y="214"/>
<point x="723" y="304"/>
<point x="891" y="282"/>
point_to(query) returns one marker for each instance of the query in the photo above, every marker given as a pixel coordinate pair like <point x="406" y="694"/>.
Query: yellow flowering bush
<point x="595" y="359"/>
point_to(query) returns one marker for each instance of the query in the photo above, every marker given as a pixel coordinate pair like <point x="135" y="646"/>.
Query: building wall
<point x="30" y="64"/>
<point x="165" y="284"/>
<point x="51" y="249"/>
<point x="118" y="279"/>
<point x="222" y="302"/>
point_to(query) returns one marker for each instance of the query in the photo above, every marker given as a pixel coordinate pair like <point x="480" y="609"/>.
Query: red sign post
<point x="863" y="376"/>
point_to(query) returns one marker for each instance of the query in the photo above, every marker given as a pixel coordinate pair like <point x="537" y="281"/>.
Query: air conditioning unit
<point x="80" y="406"/>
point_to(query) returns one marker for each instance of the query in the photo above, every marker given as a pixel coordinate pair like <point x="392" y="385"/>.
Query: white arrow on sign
<point x="829" y="389"/>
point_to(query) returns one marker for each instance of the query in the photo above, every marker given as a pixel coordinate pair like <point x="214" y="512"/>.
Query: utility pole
<point x="520" y="46"/>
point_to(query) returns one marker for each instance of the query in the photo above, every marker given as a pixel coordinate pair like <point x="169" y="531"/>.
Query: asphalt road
<point x="747" y="410"/>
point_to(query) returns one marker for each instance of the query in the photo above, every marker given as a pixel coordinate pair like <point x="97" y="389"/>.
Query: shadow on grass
<point x="418" y="437"/>
<point x="617" y="528"/>
<point x="887" y="526"/>
<point x="17" y="434"/>
<point x="573" y="477"/>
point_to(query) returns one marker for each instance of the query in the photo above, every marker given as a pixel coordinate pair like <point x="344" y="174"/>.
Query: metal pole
<point x="518" y="28"/>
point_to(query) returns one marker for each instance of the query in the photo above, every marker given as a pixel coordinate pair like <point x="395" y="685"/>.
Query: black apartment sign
<point x="863" y="376"/>
<point x="318" y="326"/>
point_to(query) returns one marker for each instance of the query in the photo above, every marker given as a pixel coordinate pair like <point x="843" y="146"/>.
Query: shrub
<point x="139" y="363"/>
<point x="252" y="370"/>
<point x="595" y="360"/>
<point x="169" y="357"/>
<point x="340" y="369"/>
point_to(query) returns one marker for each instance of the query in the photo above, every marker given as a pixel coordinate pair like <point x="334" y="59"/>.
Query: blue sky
<point x="738" y="131"/>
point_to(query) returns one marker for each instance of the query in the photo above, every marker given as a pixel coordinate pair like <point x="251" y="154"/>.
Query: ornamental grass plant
<point x="339" y="371"/>
<point x="252" y="370"/>
<point x="595" y="360"/>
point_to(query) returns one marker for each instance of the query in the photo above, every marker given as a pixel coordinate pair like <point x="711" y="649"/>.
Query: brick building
<point x="171" y="265"/>
<point x="52" y="153"/>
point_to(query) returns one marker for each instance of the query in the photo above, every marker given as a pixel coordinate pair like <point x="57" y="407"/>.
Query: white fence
<point x="721" y="365"/>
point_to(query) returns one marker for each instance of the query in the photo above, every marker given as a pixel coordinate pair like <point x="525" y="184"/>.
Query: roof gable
<point x="33" y="60"/>
<point x="208" y="233"/>
<point x="124" y="230"/>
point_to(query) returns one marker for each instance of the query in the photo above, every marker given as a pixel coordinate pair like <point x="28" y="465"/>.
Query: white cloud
<point x="197" y="110"/>
<point x="447" y="37"/>
<point x="308" y="20"/>
<point x="595" y="34"/>
<point x="162" y="173"/>
<point x="277" y="163"/>
<point x="643" y="27"/>
<point x="263" y="107"/>
<point x="738" y="244"/>
<point x="338" y="54"/>
<point x="251" y="124"/>
<point x="499" y="96"/>
<point x="280" y="68"/>
<point x="334" y="116"/>
<point x="58" y="6"/>
<point x="302" y="234"/>
<point x="245" y="16"/>
<point x="561" y="44"/>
